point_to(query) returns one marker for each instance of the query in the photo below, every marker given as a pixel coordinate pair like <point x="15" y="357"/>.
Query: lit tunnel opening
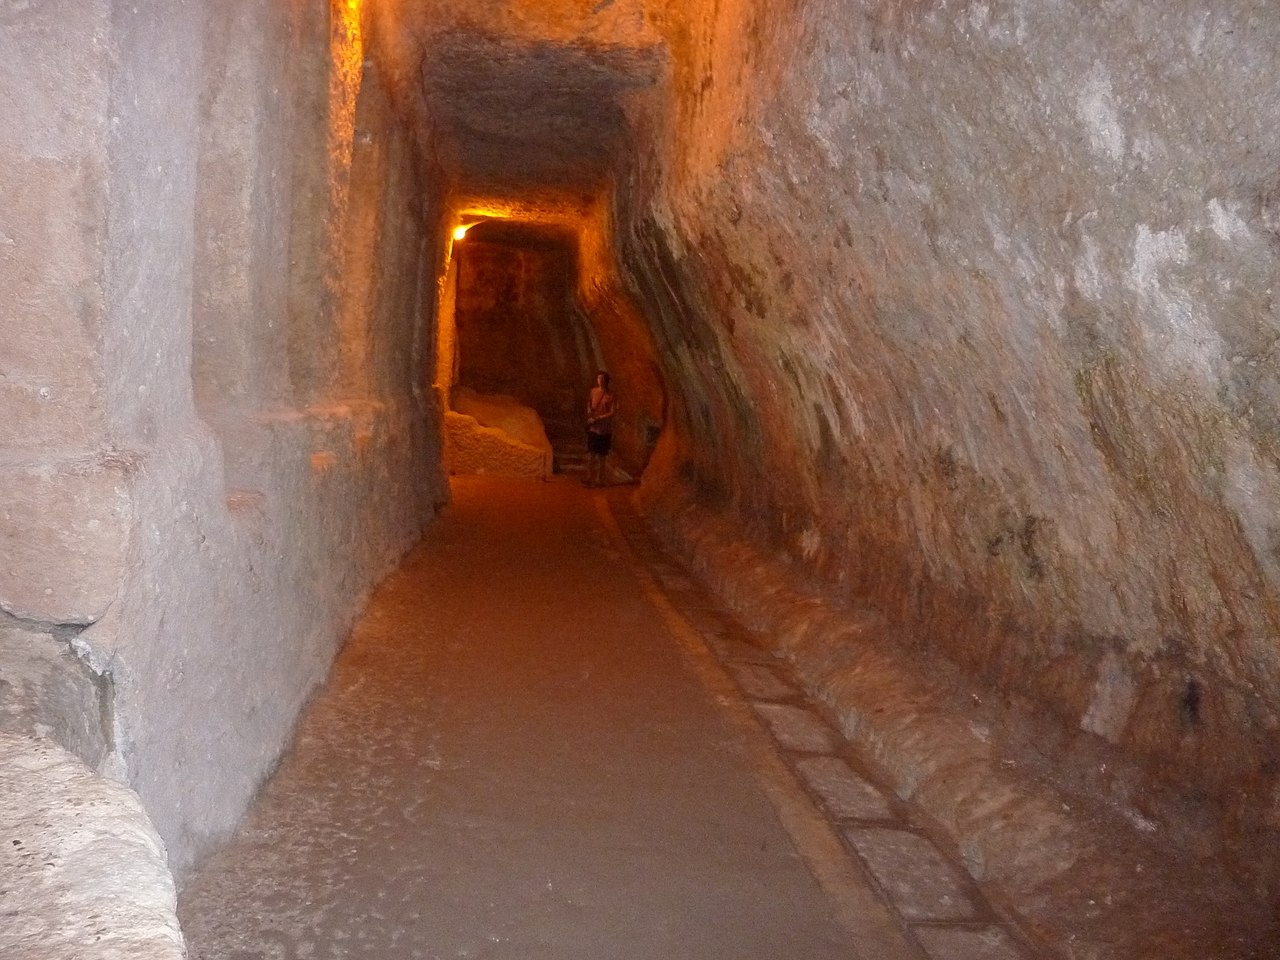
<point x="521" y="319"/>
<point x="520" y="332"/>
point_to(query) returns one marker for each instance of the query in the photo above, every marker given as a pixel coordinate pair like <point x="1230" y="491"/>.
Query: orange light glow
<point x="460" y="231"/>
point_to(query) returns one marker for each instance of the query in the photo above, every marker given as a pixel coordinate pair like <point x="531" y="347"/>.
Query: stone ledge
<point x="82" y="871"/>
<point x="1082" y="879"/>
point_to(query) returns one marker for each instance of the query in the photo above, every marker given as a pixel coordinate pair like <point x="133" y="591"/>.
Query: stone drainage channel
<point x="940" y="908"/>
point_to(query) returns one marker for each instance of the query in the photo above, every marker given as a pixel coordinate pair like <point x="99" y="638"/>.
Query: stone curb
<point x="82" y="871"/>
<point x="1082" y="881"/>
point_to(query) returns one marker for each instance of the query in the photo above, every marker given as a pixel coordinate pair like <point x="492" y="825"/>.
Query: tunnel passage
<point x="963" y="313"/>
<point x="535" y="130"/>
<point x="531" y="325"/>
<point x="531" y="305"/>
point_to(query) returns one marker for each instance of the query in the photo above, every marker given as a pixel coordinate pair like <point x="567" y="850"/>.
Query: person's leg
<point x="597" y="447"/>
<point x="602" y="471"/>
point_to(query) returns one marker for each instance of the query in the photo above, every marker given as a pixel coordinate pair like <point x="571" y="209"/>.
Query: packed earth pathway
<point x="518" y="756"/>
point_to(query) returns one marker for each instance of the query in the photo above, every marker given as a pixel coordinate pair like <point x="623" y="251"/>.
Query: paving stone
<point x="761" y="682"/>
<point x="844" y="794"/>
<point x="969" y="943"/>
<point x="919" y="881"/>
<point x="798" y="729"/>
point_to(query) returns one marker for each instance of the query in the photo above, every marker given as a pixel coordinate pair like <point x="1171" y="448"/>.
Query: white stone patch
<point x="830" y="121"/>
<point x="1096" y="108"/>
<point x="979" y="15"/>
<point x="856" y="418"/>
<point x="1151" y="253"/>
<point x="1199" y="33"/>
<point x="1227" y="222"/>
<point x="810" y="543"/>
<point x="1252" y="491"/>
<point x="999" y="239"/>
<point x="1020" y="32"/>
<point x="900" y="184"/>
<point x="1114" y="694"/>
<point x="666" y="222"/>
<point x="1172" y="328"/>
<point x="829" y="117"/>
<point x="1008" y="28"/>
<point x="1146" y="148"/>
<point x="870" y="86"/>
<point x="825" y="136"/>
<point x="1088" y="275"/>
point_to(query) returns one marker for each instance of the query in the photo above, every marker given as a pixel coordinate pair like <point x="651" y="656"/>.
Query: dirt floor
<point x="529" y="749"/>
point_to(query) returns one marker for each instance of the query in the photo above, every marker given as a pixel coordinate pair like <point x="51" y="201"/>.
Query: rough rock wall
<point x="626" y="345"/>
<point x="970" y="307"/>
<point x="203" y="490"/>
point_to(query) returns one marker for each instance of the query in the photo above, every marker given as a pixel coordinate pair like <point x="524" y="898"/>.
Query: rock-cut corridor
<point x="945" y="337"/>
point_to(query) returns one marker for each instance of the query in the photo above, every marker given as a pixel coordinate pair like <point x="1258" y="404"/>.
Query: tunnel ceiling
<point x="511" y="115"/>
<point x="518" y="233"/>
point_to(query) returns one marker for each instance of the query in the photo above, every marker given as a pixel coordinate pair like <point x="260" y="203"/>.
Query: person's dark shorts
<point x="599" y="443"/>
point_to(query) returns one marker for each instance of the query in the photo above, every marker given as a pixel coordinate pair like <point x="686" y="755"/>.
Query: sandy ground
<point x="515" y="757"/>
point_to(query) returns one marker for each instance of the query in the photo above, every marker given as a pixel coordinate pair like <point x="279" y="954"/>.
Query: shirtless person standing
<point x="600" y="412"/>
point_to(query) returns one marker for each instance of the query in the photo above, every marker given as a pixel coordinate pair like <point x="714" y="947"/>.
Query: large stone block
<point x="472" y="448"/>
<point x="496" y="436"/>
<point x="63" y="535"/>
<point x="51" y="225"/>
<point x="919" y="880"/>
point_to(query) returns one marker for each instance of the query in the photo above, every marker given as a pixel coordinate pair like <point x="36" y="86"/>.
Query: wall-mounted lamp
<point x="461" y="229"/>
